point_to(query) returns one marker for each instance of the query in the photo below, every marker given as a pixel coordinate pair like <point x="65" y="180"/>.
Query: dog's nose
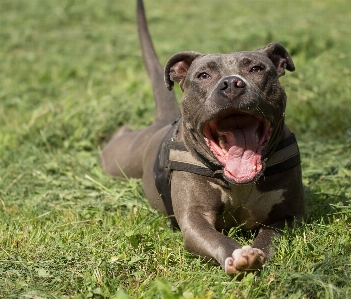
<point x="231" y="87"/>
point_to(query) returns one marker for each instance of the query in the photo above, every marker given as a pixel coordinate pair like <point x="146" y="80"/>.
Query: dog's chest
<point x="246" y="206"/>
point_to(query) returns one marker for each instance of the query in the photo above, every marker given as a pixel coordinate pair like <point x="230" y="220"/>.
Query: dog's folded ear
<point x="177" y="68"/>
<point x="280" y="57"/>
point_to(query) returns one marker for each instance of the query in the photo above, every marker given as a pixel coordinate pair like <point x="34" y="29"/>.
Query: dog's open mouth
<point x="237" y="141"/>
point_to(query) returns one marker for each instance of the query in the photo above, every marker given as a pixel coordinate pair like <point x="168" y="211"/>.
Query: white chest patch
<point x="246" y="205"/>
<point x="263" y="202"/>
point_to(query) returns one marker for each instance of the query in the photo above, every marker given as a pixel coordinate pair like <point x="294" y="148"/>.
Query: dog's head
<point x="233" y="106"/>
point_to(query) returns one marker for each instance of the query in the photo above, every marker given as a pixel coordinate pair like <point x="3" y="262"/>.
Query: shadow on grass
<point x="325" y="206"/>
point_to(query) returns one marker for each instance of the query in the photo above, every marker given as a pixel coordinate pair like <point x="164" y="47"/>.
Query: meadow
<point x="71" y="73"/>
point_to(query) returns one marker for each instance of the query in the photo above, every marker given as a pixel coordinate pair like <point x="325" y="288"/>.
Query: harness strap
<point x="163" y="171"/>
<point x="286" y="156"/>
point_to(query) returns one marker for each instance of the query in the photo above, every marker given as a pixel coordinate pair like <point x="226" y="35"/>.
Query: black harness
<point x="173" y="155"/>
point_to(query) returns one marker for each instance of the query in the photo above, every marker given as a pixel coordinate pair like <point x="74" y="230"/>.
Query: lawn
<point x="71" y="74"/>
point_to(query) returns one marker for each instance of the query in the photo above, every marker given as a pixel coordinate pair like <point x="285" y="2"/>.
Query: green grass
<point x="71" y="73"/>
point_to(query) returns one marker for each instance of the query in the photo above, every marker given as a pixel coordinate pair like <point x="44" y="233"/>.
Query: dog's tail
<point x="166" y="104"/>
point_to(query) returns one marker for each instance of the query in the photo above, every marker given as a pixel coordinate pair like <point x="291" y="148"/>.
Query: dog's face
<point x="233" y="106"/>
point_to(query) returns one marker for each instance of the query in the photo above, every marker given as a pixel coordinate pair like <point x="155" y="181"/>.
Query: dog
<point x="225" y="159"/>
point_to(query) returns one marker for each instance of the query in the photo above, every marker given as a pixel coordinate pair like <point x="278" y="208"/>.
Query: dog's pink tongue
<point x="241" y="143"/>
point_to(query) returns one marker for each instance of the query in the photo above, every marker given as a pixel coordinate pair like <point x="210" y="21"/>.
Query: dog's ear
<point x="280" y="57"/>
<point x="177" y="68"/>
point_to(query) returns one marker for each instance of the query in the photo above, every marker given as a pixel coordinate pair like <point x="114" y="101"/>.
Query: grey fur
<point x="218" y="89"/>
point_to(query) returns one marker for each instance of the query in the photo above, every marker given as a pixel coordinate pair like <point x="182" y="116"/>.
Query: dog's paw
<point x="244" y="259"/>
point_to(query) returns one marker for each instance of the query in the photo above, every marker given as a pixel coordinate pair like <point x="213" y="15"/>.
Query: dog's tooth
<point x="222" y="143"/>
<point x="254" y="168"/>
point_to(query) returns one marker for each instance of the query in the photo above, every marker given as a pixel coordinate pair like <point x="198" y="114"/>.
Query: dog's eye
<point x="256" y="69"/>
<point x="203" y="76"/>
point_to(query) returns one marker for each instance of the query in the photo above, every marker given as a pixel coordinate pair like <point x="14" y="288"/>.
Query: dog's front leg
<point x="197" y="204"/>
<point x="201" y="238"/>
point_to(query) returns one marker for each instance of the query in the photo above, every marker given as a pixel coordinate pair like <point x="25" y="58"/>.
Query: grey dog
<point x="225" y="159"/>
